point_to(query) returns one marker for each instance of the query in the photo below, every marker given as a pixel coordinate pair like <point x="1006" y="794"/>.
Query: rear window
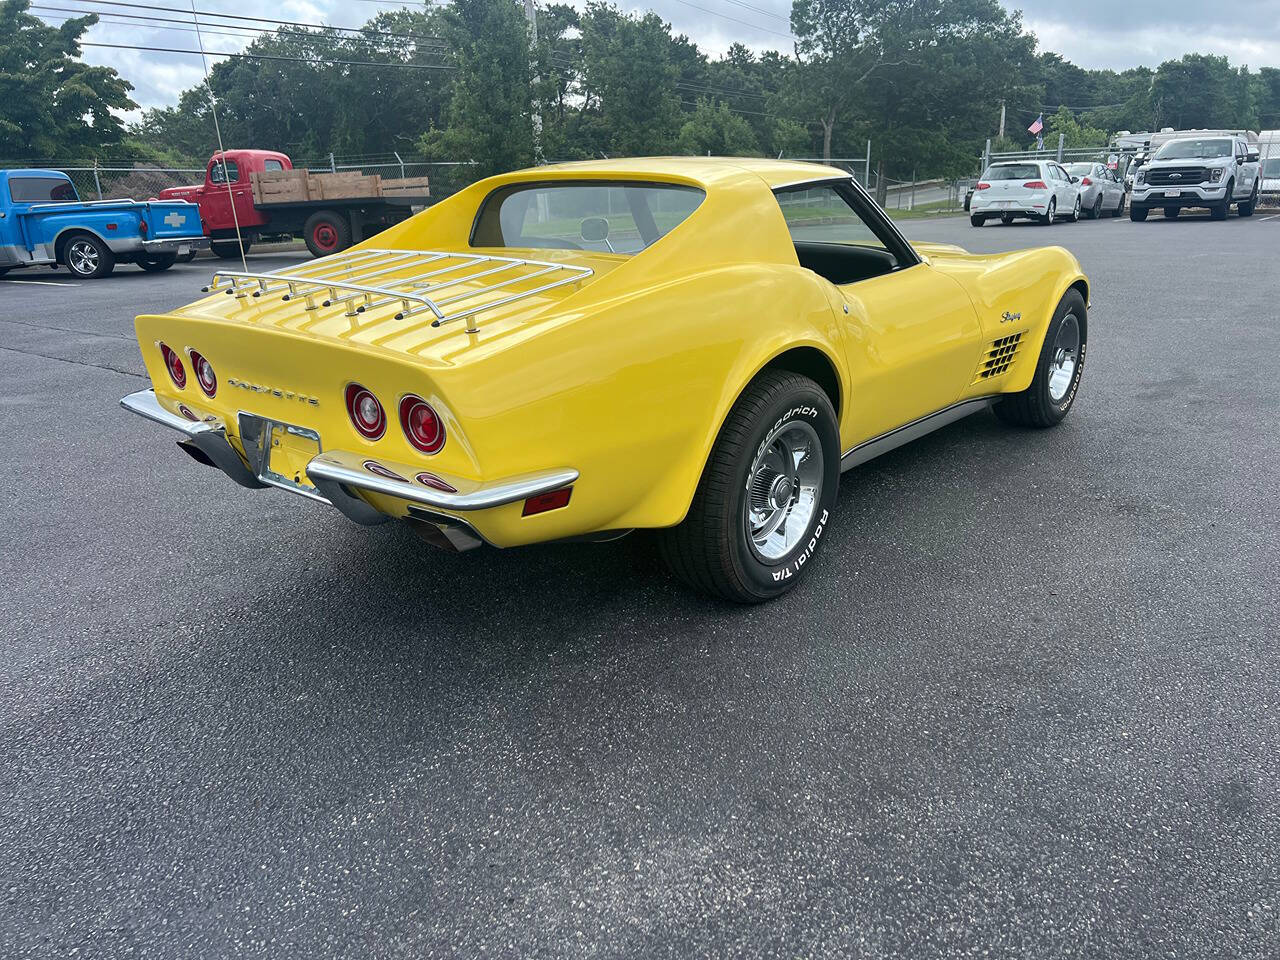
<point x="41" y="190"/>
<point x="272" y="165"/>
<point x="1013" y="171"/>
<point x="1080" y="169"/>
<point x="602" y="217"/>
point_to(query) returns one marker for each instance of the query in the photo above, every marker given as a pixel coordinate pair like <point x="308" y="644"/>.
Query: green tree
<point x="488" y="119"/>
<point x="715" y="129"/>
<point x="52" y="104"/>
<point x="1195" y="91"/>
<point x="630" y="76"/>
<point x="1064" y="123"/>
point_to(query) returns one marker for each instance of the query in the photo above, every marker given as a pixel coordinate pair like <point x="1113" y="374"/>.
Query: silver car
<point x="1100" y="189"/>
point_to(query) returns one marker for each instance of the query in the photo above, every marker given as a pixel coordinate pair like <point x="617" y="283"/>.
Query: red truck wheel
<point x="326" y="232"/>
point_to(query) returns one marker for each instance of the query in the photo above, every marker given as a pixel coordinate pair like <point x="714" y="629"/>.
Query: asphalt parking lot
<point x="1027" y="704"/>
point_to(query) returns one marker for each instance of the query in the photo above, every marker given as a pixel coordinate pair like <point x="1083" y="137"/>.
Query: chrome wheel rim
<point x="82" y="257"/>
<point x="783" y="490"/>
<point x="1076" y="210"/>
<point x="1066" y="355"/>
<point x="1053" y="208"/>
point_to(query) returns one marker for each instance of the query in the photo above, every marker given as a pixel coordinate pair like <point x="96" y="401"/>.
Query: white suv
<point x="1209" y="171"/>
<point x="1038" y="189"/>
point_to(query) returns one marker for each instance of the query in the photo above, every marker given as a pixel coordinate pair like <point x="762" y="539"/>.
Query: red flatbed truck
<point x="326" y="225"/>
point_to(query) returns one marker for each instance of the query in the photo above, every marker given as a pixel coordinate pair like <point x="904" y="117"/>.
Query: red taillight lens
<point x="205" y="376"/>
<point x="1035" y="185"/>
<point x="1086" y="182"/>
<point x="142" y="228"/>
<point x="177" y="372"/>
<point x="547" y="501"/>
<point x="435" y="483"/>
<point x="982" y="186"/>
<point x="421" y="424"/>
<point x="366" y="413"/>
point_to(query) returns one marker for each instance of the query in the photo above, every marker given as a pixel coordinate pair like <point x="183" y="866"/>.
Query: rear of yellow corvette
<point x="575" y="403"/>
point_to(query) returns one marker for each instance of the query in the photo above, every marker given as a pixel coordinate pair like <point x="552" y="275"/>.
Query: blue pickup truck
<point x="43" y="222"/>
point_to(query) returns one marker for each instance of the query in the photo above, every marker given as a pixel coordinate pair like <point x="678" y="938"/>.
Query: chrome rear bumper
<point x="339" y="475"/>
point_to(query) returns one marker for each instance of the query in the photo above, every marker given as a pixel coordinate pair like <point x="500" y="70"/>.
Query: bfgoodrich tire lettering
<point x="1058" y="370"/>
<point x="714" y="550"/>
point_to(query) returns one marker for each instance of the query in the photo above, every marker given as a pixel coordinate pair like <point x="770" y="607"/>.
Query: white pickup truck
<point x="1198" y="171"/>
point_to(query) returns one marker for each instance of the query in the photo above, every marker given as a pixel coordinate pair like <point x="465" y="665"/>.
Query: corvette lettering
<point x="273" y="391"/>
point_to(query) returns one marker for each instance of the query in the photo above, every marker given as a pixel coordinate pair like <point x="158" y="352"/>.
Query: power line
<point x="264" y="56"/>
<point x="239" y="16"/>
<point x="745" y="23"/>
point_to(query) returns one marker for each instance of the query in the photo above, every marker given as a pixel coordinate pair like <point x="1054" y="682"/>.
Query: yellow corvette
<point x="699" y="345"/>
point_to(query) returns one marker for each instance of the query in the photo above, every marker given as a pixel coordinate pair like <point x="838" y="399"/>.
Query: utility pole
<point x="531" y="15"/>
<point x="1001" y="118"/>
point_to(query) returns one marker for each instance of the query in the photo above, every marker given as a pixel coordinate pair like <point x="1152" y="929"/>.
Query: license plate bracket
<point x="279" y="452"/>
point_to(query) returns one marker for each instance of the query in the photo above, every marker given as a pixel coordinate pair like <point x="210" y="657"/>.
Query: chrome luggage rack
<point x="352" y="280"/>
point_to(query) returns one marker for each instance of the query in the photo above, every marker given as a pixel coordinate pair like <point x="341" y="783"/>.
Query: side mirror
<point x="1239" y="161"/>
<point x="595" y="230"/>
<point x="1252" y="158"/>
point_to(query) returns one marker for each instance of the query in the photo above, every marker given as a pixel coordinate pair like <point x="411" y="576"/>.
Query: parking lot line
<point x="45" y="283"/>
<point x="1274" y="216"/>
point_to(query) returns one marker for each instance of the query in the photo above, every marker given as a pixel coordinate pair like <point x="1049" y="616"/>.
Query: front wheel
<point x="229" y="249"/>
<point x="1061" y="362"/>
<point x="1075" y="211"/>
<point x="1137" y="214"/>
<point x="1051" y="213"/>
<point x="158" y="263"/>
<point x="88" y="257"/>
<point x="1246" y="207"/>
<point x="1219" y="211"/>
<point x="766" y="495"/>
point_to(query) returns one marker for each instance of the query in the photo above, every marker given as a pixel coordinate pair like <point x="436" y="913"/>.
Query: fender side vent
<point x="998" y="357"/>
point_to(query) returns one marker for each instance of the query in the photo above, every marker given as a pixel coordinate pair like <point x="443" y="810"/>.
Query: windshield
<point x="1271" y="168"/>
<point x="1195" y="149"/>
<point x="41" y="190"/>
<point x="584" y="215"/>
<point x="1013" y="171"/>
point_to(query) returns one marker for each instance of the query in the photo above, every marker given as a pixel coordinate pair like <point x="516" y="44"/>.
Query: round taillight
<point x="421" y="424"/>
<point x="366" y="413"/>
<point x="177" y="372"/>
<point x="205" y="376"/>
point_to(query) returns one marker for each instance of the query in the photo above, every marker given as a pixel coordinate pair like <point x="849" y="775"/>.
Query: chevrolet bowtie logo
<point x="176" y="220"/>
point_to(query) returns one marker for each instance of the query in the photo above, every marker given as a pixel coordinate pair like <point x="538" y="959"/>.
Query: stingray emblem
<point x="1008" y="317"/>
<point x="1175" y="176"/>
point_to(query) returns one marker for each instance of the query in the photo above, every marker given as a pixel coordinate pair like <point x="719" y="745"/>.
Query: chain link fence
<point x="141" y="180"/>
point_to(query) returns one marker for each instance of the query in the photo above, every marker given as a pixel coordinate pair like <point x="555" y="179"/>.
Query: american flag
<point x="1037" y="126"/>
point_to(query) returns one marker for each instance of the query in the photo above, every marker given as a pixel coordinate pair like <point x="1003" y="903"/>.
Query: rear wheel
<point x="766" y="493"/>
<point x="158" y="263"/>
<point x="88" y="257"/>
<point x="326" y="232"/>
<point x="1137" y="214"/>
<point x="977" y="220"/>
<point x="1119" y="210"/>
<point x="1095" y="212"/>
<point x="229" y="249"/>
<point x="1053" y="388"/>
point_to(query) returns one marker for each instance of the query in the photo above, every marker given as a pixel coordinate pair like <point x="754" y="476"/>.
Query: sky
<point x="1090" y="33"/>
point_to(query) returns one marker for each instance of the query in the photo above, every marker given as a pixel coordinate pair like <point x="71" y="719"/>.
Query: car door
<point x="911" y="333"/>
<point x="1066" y="191"/>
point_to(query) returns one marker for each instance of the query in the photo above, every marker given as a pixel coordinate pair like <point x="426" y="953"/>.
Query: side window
<point x="839" y="234"/>
<point x="224" y="172"/>
<point x="272" y="165"/>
